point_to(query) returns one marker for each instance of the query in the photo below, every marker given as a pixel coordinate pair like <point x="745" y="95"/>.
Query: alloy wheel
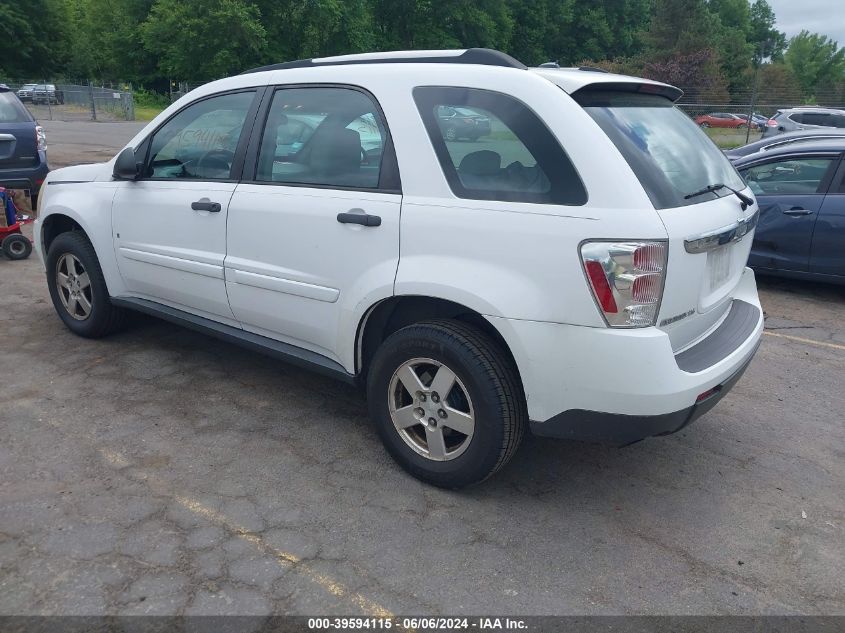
<point x="431" y="409"/>
<point x="74" y="286"/>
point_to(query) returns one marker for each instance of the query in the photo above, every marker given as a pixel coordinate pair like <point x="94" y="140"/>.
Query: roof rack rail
<point x="482" y="56"/>
<point x="592" y="69"/>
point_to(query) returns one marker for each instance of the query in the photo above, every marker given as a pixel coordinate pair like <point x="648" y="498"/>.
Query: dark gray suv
<point x="804" y="118"/>
<point x="23" y="146"/>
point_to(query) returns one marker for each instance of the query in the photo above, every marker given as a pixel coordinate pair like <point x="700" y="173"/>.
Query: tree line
<point x="716" y="50"/>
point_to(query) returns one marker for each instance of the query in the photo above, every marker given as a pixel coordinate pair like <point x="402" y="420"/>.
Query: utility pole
<point x="759" y="57"/>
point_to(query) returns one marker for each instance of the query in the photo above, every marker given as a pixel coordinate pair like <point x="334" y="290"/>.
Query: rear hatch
<point x="689" y="181"/>
<point x="18" y="142"/>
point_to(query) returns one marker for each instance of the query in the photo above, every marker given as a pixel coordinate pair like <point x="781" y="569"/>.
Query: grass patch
<point x="149" y="104"/>
<point x="728" y="139"/>
<point x="147" y="113"/>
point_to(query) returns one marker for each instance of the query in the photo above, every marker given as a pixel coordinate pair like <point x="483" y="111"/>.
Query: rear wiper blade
<point x="745" y="200"/>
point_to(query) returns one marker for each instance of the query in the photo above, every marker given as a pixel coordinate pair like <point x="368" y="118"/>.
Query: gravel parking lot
<point x="163" y="472"/>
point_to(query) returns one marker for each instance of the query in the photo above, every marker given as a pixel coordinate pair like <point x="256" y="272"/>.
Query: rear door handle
<point x="206" y="205"/>
<point x="794" y="211"/>
<point x="364" y="219"/>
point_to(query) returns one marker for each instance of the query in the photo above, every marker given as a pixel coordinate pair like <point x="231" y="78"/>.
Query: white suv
<point x="579" y="268"/>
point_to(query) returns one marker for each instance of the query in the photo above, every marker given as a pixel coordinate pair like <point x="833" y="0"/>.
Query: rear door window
<point x="493" y="147"/>
<point x="323" y="136"/>
<point x="799" y="176"/>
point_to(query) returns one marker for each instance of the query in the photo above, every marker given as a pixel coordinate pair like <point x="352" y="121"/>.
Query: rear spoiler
<point x="663" y="90"/>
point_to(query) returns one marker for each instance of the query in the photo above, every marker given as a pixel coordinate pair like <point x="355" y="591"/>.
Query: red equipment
<point x="13" y="243"/>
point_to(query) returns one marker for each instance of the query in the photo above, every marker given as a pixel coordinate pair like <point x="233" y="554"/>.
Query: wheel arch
<point x="54" y="225"/>
<point x="393" y="313"/>
<point x="97" y="229"/>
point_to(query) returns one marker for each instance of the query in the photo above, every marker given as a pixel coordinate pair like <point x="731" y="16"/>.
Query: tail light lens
<point x="627" y="280"/>
<point x="41" y="138"/>
<point x="772" y="123"/>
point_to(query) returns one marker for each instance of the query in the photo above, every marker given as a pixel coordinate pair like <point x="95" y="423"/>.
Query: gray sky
<point x="817" y="16"/>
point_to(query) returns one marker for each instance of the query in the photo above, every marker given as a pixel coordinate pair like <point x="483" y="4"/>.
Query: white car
<point x="580" y="272"/>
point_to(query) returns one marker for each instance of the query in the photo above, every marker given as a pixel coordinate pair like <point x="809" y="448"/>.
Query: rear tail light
<point x="627" y="280"/>
<point x="772" y="123"/>
<point x="41" y="138"/>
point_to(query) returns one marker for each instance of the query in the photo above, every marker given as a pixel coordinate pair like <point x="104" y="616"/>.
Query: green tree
<point x="33" y="37"/>
<point x="816" y="61"/>
<point x="766" y="39"/>
<point x="204" y="39"/>
<point x="681" y="27"/>
<point x="105" y="40"/>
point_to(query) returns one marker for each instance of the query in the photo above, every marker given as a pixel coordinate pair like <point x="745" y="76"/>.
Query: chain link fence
<point x="48" y="101"/>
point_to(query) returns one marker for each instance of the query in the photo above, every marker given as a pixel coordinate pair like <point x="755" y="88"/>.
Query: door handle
<point x="206" y="205"/>
<point x="364" y="219"/>
<point x="796" y="211"/>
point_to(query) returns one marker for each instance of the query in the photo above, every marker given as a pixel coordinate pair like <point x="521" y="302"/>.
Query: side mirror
<point x="126" y="167"/>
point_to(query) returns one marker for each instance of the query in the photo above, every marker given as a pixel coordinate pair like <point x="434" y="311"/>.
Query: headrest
<point x="481" y="163"/>
<point x="335" y="150"/>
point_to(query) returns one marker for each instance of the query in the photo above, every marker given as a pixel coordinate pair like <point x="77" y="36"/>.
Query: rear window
<point x="12" y="110"/>
<point x="670" y="155"/>
<point x="493" y="147"/>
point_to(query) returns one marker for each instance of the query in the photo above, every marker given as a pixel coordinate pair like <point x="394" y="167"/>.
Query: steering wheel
<point x="220" y="159"/>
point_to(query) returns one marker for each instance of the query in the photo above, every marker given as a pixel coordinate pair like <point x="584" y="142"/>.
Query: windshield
<point x="11" y="110"/>
<point x="671" y="157"/>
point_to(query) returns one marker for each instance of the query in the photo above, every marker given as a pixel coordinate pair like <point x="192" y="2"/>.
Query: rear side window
<point x="12" y="110"/>
<point x="816" y="118"/>
<point x="493" y="147"/>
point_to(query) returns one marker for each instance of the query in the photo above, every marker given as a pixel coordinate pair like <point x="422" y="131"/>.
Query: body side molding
<point x="283" y="351"/>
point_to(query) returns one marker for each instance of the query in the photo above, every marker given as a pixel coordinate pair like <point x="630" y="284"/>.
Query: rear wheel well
<point x="397" y="312"/>
<point x="56" y="224"/>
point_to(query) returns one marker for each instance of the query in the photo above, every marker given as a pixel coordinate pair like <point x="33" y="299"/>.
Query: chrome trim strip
<point x="725" y="235"/>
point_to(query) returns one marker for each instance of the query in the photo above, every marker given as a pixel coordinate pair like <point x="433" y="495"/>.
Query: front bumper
<point x="622" y="385"/>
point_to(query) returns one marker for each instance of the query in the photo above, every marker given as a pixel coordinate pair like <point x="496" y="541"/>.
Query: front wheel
<point x="446" y="402"/>
<point x="705" y="125"/>
<point x="78" y="288"/>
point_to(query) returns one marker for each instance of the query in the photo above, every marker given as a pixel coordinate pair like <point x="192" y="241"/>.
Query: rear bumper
<point x="620" y="429"/>
<point x="622" y="385"/>
<point x="26" y="177"/>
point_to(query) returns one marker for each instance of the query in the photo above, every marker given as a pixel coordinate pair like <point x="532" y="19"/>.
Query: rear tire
<point x="17" y="246"/>
<point x="705" y="125"/>
<point x="78" y="288"/>
<point x="481" y="396"/>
